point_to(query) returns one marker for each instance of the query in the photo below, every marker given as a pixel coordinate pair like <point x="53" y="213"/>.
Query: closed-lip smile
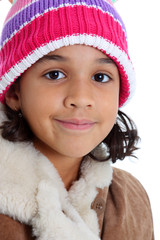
<point x="76" y="124"/>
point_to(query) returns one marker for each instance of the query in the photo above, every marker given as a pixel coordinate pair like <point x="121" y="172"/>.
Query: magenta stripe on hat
<point x="39" y="7"/>
<point x="43" y="35"/>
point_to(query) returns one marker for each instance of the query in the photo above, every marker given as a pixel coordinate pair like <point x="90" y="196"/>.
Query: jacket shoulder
<point x="130" y="189"/>
<point x="128" y="212"/>
<point x="127" y="184"/>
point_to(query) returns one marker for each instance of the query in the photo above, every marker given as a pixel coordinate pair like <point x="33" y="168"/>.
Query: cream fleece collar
<point x="32" y="192"/>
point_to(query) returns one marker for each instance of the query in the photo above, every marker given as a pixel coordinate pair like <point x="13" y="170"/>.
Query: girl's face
<point x="70" y="100"/>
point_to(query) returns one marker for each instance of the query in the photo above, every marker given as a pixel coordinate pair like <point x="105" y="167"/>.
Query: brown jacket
<point x="123" y="211"/>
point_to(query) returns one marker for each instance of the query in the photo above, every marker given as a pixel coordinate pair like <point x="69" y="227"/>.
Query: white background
<point x="142" y="20"/>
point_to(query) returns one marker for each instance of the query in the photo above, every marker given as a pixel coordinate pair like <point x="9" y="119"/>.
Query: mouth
<point x="76" y="124"/>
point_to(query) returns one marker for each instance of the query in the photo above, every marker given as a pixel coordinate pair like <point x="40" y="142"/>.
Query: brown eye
<point x="101" y="77"/>
<point x="55" y="75"/>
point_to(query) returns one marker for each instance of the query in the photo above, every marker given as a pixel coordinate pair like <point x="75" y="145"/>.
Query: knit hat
<point x="33" y="28"/>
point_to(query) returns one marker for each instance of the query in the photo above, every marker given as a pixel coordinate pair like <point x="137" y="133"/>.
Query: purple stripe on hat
<point x="40" y="6"/>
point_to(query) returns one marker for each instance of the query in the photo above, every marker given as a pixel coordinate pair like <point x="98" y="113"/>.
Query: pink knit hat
<point x="33" y="28"/>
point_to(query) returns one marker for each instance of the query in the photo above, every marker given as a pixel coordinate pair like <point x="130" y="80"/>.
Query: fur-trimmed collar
<point x="32" y="192"/>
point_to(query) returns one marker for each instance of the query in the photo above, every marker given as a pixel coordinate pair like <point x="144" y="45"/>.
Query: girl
<point x="64" y="74"/>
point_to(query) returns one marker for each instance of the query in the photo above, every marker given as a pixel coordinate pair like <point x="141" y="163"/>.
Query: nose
<point x="79" y="95"/>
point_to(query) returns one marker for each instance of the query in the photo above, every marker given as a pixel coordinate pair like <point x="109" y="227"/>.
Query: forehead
<point x="80" y="53"/>
<point x="80" y="50"/>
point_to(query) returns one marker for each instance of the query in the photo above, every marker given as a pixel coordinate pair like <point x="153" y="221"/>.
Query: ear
<point x="12" y="96"/>
<point x="11" y="1"/>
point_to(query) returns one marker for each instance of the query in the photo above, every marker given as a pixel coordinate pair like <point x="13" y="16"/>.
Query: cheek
<point x="37" y="105"/>
<point x="37" y="98"/>
<point x="109" y="119"/>
<point x="108" y="110"/>
<point x="32" y="102"/>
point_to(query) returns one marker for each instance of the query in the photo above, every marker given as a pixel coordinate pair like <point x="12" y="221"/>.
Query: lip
<point x="76" y="124"/>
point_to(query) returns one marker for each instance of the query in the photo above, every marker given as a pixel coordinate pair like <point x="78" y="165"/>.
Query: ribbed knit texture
<point x="34" y="28"/>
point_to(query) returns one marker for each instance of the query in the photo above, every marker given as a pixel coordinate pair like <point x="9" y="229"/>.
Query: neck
<point x="67" y="167"/>
<point x="68" y="170"/>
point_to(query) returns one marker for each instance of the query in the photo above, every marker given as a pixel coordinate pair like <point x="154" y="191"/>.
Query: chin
<point x="77" y="153"/>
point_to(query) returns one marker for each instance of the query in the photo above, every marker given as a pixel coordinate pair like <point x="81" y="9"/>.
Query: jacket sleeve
<point x="128" y="212"/>
<point x="13" y="230"/>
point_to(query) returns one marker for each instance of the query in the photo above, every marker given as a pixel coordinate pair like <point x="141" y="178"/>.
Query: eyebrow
<point x="53" y="58"/>
<point x="105" y="60"/>
<point x="64" y="59"/>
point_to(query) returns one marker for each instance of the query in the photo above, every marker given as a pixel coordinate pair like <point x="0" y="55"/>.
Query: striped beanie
<point x="33" y="28"/>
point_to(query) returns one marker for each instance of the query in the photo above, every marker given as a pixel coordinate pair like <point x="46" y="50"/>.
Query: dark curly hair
<point x="120" y="142"/>
<point x="122" y="139"/>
